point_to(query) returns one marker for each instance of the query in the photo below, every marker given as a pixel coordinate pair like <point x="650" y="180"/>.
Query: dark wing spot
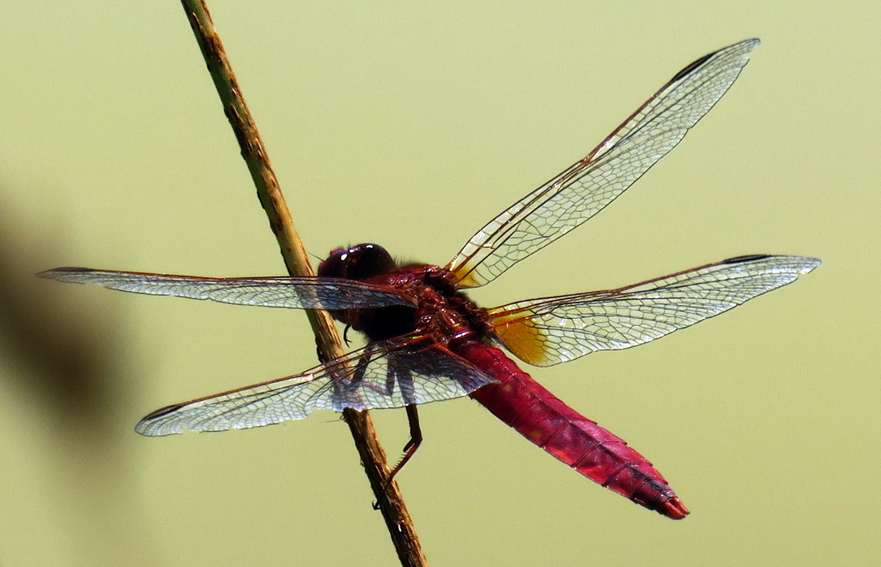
<point x="162" y="411"/>
<point x="746" y="258"/>
<point x="692" y="66"/>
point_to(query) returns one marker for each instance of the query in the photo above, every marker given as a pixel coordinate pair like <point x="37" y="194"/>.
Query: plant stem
<point x="389" y="499"/>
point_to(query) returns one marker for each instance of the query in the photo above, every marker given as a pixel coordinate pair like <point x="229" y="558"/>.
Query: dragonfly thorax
<point x="441" y="310"/>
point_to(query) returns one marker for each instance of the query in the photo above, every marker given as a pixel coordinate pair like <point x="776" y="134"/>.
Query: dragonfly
<point x="427" y="341"/>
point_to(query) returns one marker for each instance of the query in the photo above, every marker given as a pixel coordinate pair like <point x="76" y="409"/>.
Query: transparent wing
<point x="558" y="329"/>
<point x="388" y="374"/>
<point x="583" y="190"/>
<point x="289" y="292"/>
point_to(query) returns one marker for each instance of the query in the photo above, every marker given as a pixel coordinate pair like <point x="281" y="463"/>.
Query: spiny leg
<point x="411" y="446"/>
<point x="414" y="442"/>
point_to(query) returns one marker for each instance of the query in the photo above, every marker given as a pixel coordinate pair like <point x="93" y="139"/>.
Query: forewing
<point x="583" y="190"/>
<point x="388" y="374"/>
<point x="558" y="329"/>
<point x="288" y="292"/>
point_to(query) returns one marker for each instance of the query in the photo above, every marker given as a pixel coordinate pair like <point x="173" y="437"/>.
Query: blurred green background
<point x="411" y="124"/>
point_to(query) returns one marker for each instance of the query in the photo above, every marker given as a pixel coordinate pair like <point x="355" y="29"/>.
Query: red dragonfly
<point x="428" y="341"/>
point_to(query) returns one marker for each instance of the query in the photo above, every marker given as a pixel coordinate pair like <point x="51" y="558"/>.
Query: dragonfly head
<point x="360" y="262"/>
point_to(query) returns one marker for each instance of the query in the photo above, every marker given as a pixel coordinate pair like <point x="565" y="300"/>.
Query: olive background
<point x="410" y="125"/>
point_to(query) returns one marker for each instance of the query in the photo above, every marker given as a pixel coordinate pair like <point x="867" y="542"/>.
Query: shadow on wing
<point x="387" y="374"/>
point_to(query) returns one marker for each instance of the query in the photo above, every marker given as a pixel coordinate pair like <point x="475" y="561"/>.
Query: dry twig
<point x="373" y="457"/>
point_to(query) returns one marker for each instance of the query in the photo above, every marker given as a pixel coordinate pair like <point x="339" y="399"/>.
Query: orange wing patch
<point x="521" y="336"/>
<point x="465" y="276"/>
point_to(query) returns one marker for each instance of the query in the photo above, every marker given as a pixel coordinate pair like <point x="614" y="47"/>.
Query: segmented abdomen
<point x="544" y="419"/>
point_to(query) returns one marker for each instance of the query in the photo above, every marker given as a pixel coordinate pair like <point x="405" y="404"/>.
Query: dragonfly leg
<point x="415" y="439"/>
<point x="409" y="448"/>
<point x="412" y="444"/>
<point x="321" y="358"/>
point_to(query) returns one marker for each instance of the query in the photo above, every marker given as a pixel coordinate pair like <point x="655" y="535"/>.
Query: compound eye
<point x="359" y="262"/>
<point x="367" y="260"/>
<point x="335" y="266"/>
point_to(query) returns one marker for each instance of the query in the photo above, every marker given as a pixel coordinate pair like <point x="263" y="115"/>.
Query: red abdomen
<point x="541" y="417"/>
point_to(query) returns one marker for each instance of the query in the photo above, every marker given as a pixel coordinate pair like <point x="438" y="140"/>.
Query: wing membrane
<point x="287" y="292"/>
<point x="388" y="374"/>
<point x="558" y="329"/>
<point x="583" y="190"/>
